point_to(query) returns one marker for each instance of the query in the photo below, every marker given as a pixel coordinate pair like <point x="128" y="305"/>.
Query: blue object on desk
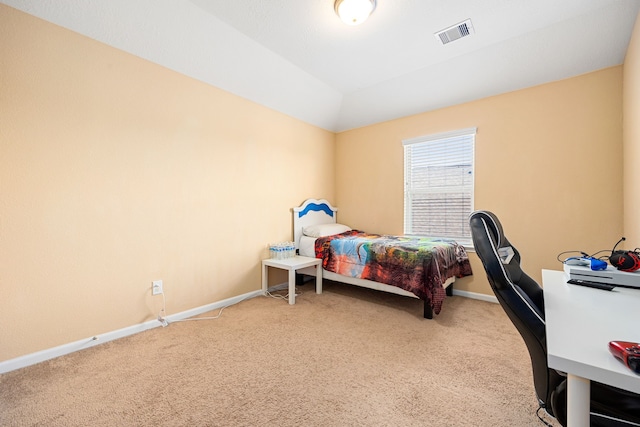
<point x="594" y="263"/>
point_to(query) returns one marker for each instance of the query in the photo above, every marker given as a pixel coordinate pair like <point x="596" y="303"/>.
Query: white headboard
<point x="312" y="212"/>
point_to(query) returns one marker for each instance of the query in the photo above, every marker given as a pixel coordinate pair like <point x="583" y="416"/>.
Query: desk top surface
<point x="581" y="321"/>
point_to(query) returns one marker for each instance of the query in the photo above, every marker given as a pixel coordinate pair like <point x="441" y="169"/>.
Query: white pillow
<point x="323" y="230"/>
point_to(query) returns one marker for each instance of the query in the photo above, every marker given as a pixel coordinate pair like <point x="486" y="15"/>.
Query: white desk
<point x="580" y="322"/>
<point x="291" y="265"/>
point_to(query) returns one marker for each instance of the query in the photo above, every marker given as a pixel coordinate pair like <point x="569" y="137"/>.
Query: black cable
<point x="570" y="252"/>
<point x="540" y="418"/>
<point x="603" y="257"/>
<point x="584" y="254"/>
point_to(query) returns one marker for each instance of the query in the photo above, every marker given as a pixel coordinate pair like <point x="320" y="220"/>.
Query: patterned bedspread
<point x="419" y="265"/>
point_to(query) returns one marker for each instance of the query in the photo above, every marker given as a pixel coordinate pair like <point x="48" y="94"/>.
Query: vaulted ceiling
<point x="297" y="57"/>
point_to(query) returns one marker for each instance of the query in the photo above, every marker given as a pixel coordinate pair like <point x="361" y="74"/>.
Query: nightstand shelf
<point x="291" y="265"/>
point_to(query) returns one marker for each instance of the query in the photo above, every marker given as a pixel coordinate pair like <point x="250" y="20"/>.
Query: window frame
<point x="465" y="239"/>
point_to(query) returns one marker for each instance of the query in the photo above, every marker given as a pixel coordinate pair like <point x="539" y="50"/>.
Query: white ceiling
<point x="297" y="57"/>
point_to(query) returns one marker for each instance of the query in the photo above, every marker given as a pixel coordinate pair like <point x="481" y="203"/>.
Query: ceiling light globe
<point x="354" y="12"/>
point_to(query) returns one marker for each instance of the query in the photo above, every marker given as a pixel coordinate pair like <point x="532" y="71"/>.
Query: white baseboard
<point x="475" y="295"/>
<point x="51" y="353"/>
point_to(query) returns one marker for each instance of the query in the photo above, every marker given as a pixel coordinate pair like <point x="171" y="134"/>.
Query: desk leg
<point x="265" y="278"/>
<point x="292" y="286"/>
<point x="578" y="401"/>
<point x="319" y="279"/>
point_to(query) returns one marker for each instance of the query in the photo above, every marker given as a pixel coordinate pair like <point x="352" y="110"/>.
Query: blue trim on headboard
<point x="315" y="207"/>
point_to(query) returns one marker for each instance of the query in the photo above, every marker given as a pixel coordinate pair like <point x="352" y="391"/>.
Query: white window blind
<point x="438" y="189"/>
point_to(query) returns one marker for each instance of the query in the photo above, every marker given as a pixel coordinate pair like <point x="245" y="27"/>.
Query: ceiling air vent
<point x="455" y="32"/>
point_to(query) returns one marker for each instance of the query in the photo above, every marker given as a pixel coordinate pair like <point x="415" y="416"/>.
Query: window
<point x="438" y="185"/>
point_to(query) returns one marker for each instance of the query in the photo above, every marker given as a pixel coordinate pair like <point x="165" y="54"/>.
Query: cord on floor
<point x="540" y="417"/>
<point x="163" y="320"/>
<point x="278" y="296"/>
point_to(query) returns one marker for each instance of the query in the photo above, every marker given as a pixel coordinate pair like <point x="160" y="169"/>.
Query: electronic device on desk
<point x="608" y="276"/>
<point x="590" y="271"/>
<point x="628" y="353"/>
<point x="587" y="261"/>
<point x="625" y="260"/>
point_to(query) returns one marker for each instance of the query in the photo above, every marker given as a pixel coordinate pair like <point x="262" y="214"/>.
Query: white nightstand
<point x="291" y="265"/>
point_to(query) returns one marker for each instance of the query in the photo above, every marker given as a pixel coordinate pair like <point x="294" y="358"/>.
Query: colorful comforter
<point x="419" y="265"/>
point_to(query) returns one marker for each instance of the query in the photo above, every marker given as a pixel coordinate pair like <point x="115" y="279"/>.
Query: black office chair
<point x="521" y="297"/>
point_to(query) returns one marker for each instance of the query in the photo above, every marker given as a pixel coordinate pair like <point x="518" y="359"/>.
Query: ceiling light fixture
<point x="354" y="12"/>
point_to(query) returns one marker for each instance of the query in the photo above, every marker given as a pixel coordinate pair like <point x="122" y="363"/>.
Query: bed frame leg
<point x="449" y="290"/>
<point x="428" y="311"/>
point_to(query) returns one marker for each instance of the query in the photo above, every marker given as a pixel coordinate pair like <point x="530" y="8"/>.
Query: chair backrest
<point x="519" y="295"/>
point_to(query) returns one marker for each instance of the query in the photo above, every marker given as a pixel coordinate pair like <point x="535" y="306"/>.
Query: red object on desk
<point x="628" y="353"/>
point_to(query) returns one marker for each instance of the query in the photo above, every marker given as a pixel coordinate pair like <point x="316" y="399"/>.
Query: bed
<point x="412" y="266"/>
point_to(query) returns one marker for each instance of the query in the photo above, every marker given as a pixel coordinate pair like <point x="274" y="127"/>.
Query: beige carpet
<point x="348" y="357"/>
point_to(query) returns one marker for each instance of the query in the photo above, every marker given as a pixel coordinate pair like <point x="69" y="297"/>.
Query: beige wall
<point x="115" y="172"/>
<point x="548" y="163"/>
<point x="631" y="136"/>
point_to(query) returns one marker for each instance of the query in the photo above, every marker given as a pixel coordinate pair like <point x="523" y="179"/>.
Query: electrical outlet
<point x="156" y="287"/>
